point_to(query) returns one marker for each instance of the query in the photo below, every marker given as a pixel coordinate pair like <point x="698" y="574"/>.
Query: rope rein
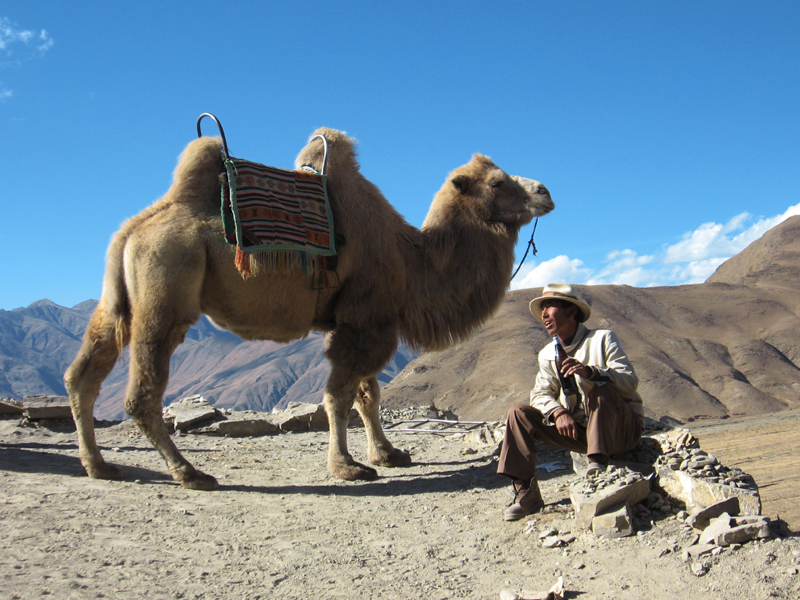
<point x="531" y="244"/>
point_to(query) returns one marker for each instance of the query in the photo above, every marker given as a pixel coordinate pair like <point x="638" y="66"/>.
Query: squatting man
<point x="604" y="415"/>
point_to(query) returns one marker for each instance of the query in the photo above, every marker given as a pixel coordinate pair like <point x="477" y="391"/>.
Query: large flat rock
<point x="239" y="428"/>
<point x="189" y="411"/>
<point x="9" y="406"/>
<point x="589" y="502"/>
<point x="47" y="407"/>
<point x="699" y="493"/>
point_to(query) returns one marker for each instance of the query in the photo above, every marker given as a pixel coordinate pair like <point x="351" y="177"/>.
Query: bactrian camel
<point x="431" y="287"/>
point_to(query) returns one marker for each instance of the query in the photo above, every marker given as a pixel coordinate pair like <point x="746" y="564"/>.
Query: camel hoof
<point x="395" y="458"/>
<point x="103" y="471"/>
<point x="353" y="472"/>
<point x="199" y="481"/>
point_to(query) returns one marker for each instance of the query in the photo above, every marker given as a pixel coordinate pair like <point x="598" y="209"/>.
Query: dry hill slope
<point x="730" y="346"/>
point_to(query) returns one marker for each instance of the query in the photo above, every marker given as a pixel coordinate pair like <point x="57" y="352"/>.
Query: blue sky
<point x="668" y="132"/>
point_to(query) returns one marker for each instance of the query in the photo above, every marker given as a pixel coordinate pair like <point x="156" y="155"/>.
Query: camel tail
<point x="121" y="334"/>
<point x="115" y="300"/>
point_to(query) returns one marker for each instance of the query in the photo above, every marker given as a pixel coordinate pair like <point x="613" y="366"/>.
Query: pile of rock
<point x="643" y="457"/>
<point x="686" y="482"/>
<point x="697" y="477"/>
<point x="719" y="527"/>
<point x="698" y="463"/>
<point x="412" y="413"/>
<point x="603" y="501"/>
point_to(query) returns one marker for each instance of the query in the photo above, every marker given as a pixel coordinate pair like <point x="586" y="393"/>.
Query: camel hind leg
<point x="379" y="449"/>
<point x="149" y="373"/>
<point x="102" y="343"/>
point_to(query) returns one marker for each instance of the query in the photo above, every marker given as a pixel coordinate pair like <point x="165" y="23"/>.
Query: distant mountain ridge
<point x="730" y="346"/>
<point x="37" y="344"/>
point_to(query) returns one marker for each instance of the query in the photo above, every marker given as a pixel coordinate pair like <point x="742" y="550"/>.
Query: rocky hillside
<point x="39" y="342"/>
<point x="730" y="346"/>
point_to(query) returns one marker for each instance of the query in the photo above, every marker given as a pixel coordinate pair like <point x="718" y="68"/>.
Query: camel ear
<point x="461" y="183"/>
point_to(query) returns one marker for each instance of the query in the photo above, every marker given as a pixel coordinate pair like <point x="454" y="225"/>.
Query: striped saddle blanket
<point x="280" y="220"/>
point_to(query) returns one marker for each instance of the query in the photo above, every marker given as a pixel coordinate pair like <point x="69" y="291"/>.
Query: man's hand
<point x="566" y="425"/>
<point x="572" y="366"/>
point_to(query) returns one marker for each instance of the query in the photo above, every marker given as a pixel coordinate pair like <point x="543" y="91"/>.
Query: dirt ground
<point x="281" y="527"/>
<point x="767" y="447"/>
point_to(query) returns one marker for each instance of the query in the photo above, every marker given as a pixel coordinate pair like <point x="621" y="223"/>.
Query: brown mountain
<point x="730" y="346"/>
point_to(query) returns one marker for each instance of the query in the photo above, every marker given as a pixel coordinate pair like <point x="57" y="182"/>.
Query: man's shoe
<point x="527" y="500"/>
<point x="596" y="466"/>
<point x="579" y="463"/>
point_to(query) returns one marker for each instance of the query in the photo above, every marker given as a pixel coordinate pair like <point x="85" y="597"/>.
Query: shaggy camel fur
<point x="432" y="287"/>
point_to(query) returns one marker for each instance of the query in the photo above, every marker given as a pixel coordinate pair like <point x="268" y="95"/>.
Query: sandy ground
<point x="281" y="527"/>
<point x="767" y="447"/>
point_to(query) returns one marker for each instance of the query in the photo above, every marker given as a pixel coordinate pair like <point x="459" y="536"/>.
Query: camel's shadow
<point x="34" y="458"/>
<point x="477" y="473"/>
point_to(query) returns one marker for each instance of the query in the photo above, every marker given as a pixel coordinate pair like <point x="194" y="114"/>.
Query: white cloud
<point x="560" y="268"/>
<point x="18" y="44"/>
<point x="691" y="260"/>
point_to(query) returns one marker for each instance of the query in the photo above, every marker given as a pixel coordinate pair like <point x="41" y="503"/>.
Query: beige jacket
<point x="599" y="349"/>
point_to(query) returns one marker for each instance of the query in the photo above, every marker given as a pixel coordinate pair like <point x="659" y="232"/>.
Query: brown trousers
<point x="612" y="428"/>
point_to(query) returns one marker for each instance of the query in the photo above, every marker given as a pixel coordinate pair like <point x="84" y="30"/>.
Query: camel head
<point x="480" y="189"/>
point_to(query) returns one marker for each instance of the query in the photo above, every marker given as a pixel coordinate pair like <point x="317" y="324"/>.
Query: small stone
<point x="615" y="523"/>
<point x="743" y="533"/>
<point x="700" y="550"/>
<point x="567" y="539"/>
<point x="552" y="541"/>
<point x="701" y="519"/>
<point x="717" y="526"/>
<point x="699" y="569"/>
<point x="548" y="533"/>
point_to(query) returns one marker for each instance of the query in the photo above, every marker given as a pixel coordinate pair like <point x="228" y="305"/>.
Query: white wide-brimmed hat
<point x="560" y="291"/>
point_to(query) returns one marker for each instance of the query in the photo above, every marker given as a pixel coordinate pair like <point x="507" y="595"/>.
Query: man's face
<point x="558" y="318"/>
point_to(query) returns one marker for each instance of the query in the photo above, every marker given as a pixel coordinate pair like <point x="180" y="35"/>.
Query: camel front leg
<point x="379" y="449"/>
<point x="339" y="396"/>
